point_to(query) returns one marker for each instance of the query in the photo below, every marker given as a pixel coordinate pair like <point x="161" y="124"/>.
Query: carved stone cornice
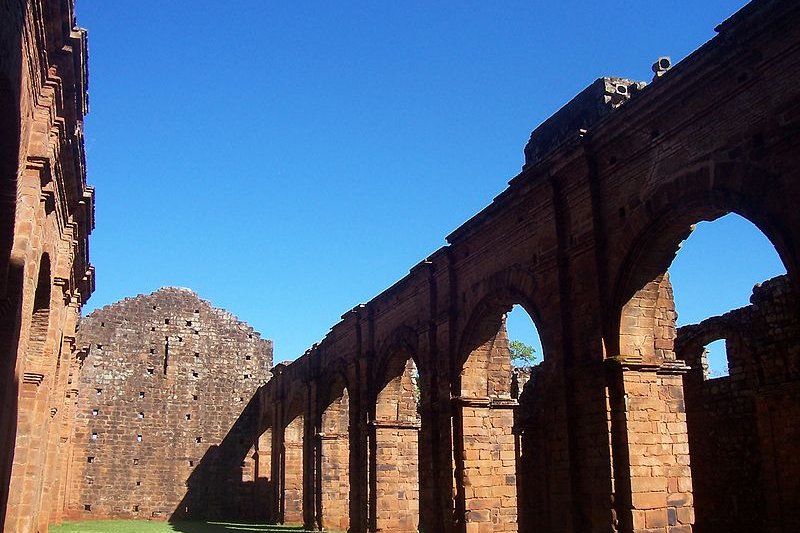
<point x="32" y="378"/>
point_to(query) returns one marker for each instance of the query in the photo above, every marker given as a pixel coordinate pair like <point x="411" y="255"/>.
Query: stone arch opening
<point x="333" y="456"/>
<point x="40" y="318"/>
<point x="487" y="429"/>
<point x="678" y="447"/>
<point x="394" y="440"/>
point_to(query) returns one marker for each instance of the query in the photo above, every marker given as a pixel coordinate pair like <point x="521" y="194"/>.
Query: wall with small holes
<point x="165" y="377"/>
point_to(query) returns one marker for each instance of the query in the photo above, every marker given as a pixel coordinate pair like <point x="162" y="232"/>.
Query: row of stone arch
<point x="582" y="239"/>
<point x="357" y="442"/>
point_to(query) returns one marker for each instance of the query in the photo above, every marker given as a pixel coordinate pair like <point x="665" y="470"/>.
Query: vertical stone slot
<point x="166" y="354"/>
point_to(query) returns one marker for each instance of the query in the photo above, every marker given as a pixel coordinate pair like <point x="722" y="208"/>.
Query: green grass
<point x="146" y="526"/>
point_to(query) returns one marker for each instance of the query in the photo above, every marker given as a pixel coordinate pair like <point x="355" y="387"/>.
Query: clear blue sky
<point x="288" y="160"/>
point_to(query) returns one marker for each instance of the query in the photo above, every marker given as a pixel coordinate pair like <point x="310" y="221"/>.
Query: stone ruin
<point x="406" y="416"/>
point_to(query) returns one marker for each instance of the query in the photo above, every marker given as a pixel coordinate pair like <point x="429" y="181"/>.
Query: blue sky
<point x="289" y="160"/>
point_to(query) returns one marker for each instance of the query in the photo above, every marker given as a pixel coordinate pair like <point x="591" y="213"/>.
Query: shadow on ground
<point x="152" y="526"/>
<point x="228" y="527"/>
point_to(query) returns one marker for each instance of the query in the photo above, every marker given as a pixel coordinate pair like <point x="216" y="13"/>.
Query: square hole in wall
<point x="138" y="483"/>
<point x="198" y="439"/>
<point x="246" y="376"/>
<point x="150" y="370"/>
<point x="166" y="321"/>
<point x="90" y="482"/>
<point x="140" y="415"/>
<point x="98" y="392"/>
<point x="94" y="436"/>
<point x="95" y="412"/>
<point x="194" y="373"/>
<point x="247" y="357"/>
<point x="152" y="328"/>
<point x="90" y="459"/>
<point x="136" y="461"/>
<point x="188" y="322"/>
<point x="135" y="508"/>
<point x="99" y="346"/>
<point x="102" y="324"/>
<point x="194" y="396"/>
<point x="138" y="438"/>
<point x="191" y="463"/>
<point x="188" y="416"/>
<point x="87" y="507"/>
<point x="197" y="354"/>
<point x="152" y="350"/>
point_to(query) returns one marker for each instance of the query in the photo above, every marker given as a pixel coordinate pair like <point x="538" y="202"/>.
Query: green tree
<point x="522" y="354"/>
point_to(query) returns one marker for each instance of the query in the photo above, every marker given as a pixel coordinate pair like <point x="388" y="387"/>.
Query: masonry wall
<point x="486" y="460"/>
<point x="46" y="216"/>
<point x="165" y="377"/>
<point x="743" y="428"/>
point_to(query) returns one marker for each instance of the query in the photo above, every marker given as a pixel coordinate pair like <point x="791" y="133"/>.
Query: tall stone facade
<point x="164" y="378"/>
<point x="46" y="215"/>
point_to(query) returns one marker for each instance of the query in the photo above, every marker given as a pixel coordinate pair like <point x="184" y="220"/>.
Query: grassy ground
<point x="145" y="526"/>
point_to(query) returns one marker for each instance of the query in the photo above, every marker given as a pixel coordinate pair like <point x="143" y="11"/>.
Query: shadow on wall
<point x="10" y="276"/>
<point x="215" y="489"/>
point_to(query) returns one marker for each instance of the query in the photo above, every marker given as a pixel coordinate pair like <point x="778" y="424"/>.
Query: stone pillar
<point x="394" y="461"/>
<point x="650" y="449"/>
<point x="333" y="475"/>
<point x="264" y="482"/>
<point x="396" y="475"/>
<point x="293" y="472"/>
<point x="488" y="464"/>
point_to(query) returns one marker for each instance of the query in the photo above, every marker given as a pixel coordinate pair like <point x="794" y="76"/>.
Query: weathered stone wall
<point x="293" y="472"/>
<point x="396" y="451"/>
<point x="333" y="466"/>
<point x="743" y="428"/>
<point x="486" y="460"/>
<point x="46" y="215"/>
<point x="164" y="379"/>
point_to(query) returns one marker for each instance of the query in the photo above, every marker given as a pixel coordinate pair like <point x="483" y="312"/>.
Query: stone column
<point x="653" y="485"/>
<point x="487" y="464"/>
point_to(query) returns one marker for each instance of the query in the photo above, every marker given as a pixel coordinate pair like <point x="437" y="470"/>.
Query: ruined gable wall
<point x="165" y="377"/>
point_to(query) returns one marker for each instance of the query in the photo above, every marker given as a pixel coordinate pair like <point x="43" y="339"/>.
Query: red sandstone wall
<point x="334" y="465"/>
<point x="488" y="452"/>
<point x="46" y="215"/>
<point x="396" y="454"/>
<point x="743" y="431"/>
<point x="165" y="377"/>
<point x="293" y="471"/>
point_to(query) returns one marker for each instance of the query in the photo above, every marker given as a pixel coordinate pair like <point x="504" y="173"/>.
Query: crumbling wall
<point x="743" y="427"/>
<point x="165" y="377"/>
